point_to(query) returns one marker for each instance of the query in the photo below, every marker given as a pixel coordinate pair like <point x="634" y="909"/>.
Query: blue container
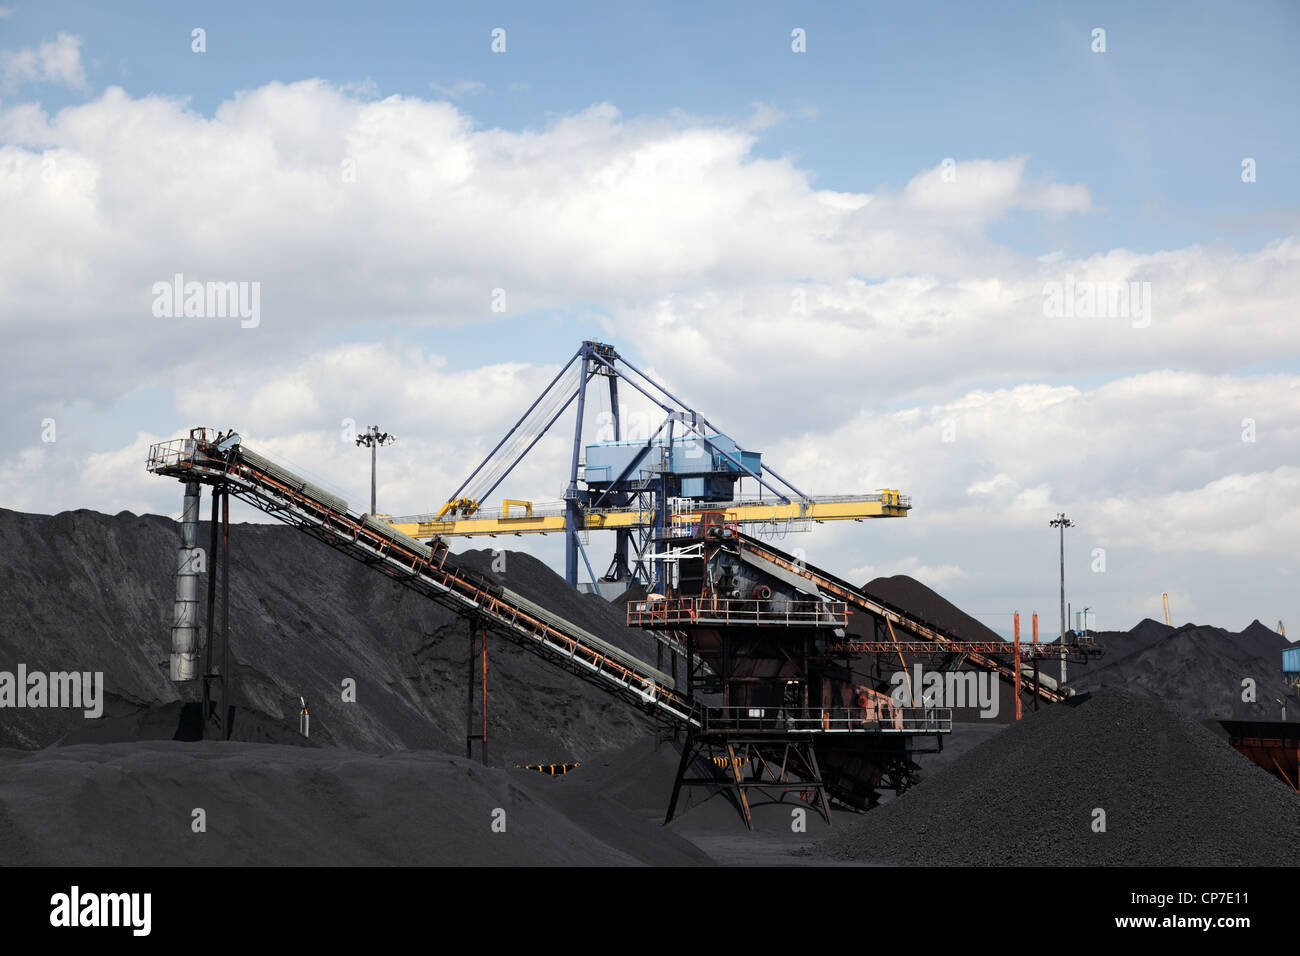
<point x="1291" y="660"/>
<point x="605" y="461"/>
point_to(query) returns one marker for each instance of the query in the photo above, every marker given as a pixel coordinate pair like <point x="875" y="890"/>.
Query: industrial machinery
<point x="633" y="484"/>
<point x="223" y="462"/>
<point x="787" y="700"/>
<point x="1290" y="664"/>
<point x="793" y="688"/>
<point x="1272" y="744"/>
<point x="765" y="704"/>
<point x="777" y="692"/>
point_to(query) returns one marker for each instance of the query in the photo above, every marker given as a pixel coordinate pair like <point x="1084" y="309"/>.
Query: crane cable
<point x="528" y="431"/>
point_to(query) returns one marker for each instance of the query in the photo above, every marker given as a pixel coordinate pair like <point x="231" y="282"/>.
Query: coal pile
<point x="1122" y="644"/>
<point x="93" y="592"/>
<point x="525" y="575"/>
<point x="131" y="804"/>
<point x="928" y="606"/>
<point x="1198" y="669"/>
<point x="906" y="594"/>
<point x="1173" y="794"/>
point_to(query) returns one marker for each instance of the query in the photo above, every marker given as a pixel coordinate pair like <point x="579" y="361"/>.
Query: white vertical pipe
<point x="185" y="610"/>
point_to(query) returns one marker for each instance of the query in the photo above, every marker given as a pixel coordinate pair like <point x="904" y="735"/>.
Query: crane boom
<point x="887" y="503"/>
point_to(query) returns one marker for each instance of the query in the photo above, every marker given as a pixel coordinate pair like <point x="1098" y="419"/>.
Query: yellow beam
<point x="890" y="505"/>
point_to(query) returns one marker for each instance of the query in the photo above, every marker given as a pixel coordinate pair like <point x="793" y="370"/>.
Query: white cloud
<point x="459" y="89"/>
<point x="934" y="577"/>
<point x="1254" y="514"/>
<point x="692" y="253"/>
<point x="56" y="61"/>
<point x="981" y="188"/>
<point x="119" y="193"/>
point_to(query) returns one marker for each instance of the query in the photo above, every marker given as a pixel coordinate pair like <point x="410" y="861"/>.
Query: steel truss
<point x="738" y="765"/>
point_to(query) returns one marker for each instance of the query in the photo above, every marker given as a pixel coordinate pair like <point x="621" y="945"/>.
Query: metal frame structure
<point x="1272" y="744"/>
<point x="196" y="459"/>
<point x="751" y="764"/>
<point x="636" y="506"/>
<point x="986" y="656"/>
<point x="808" y="639"/>
<point x="781" y="691"/>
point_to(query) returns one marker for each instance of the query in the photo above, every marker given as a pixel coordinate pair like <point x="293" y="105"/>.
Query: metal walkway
<point x="835" y="587"/>
<point x="215" y="460"/>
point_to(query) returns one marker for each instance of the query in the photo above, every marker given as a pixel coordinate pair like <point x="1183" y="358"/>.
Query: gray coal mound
<point x="92" y="592"/>
<point x="131" y="804"/>
<point x="181" y="721"/>
<point x="1173" y="794"/>
<point x="1199" y="670"/>
<point x="928" y="606"/>
<point x="910" y="596"/>
<point x="1196" y="668"/>
<point x="525" y="575"/>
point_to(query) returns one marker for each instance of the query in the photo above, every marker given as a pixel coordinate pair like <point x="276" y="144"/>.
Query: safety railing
<point x="668" y="612"/>
<point x="874" y="719"/>
<point x="168" y="454"/>
<point x="892" y="499"/>
<point x="688" y="518"/>
<point x="695" y="524"/>
<point x="891" y="616"/>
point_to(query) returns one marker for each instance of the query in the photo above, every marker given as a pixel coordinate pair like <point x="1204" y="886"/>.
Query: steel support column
<point x="573" y="520"/>
<point x="209" y="620"/>
<point x="227" y="677"/>
<point x="477" y="658"/>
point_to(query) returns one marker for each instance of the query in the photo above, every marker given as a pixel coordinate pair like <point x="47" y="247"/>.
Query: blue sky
<point x="665" y="177"/>
<point x="1157" y="125"/>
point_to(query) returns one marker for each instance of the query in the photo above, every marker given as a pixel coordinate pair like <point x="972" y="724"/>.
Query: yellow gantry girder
<point x="887" y="504"/>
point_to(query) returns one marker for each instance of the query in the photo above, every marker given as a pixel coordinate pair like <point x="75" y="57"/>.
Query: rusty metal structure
<point x="785" y="710"/>
<point x="1272" y="744"/>
<point x="789" y="693"/>
<point x="777" y="696"/>
<point x="221" y="461"/>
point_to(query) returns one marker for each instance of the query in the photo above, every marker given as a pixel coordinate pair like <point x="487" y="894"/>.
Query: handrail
<point x="736" y="611"/>
<point x="550" y="509"/>
<point x="830" y="584"/>
<point x="876" y="719"/>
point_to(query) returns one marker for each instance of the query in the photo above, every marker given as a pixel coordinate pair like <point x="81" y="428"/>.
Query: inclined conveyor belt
<point x="325" y="516"/>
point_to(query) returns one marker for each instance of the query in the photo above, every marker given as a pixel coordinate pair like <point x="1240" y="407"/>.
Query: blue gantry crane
<point x="638" y="487"/>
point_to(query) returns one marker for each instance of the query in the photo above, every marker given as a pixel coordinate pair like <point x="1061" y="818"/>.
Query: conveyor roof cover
<point x="780" y="573"/>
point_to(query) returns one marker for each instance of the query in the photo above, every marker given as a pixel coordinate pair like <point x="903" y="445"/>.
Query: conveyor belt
<point x="288" y="498"/>
<point x="835" y="587"/>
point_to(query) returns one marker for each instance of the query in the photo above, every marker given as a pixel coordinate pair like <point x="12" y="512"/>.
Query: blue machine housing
<point x="692" y="468"/>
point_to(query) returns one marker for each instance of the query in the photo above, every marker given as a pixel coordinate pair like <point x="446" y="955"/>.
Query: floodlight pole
<point x="373" y="438"/>
<point x="1062" y="522"/>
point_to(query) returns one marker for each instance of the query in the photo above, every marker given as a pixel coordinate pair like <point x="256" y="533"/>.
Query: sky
<point x="1010" y="259"/>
